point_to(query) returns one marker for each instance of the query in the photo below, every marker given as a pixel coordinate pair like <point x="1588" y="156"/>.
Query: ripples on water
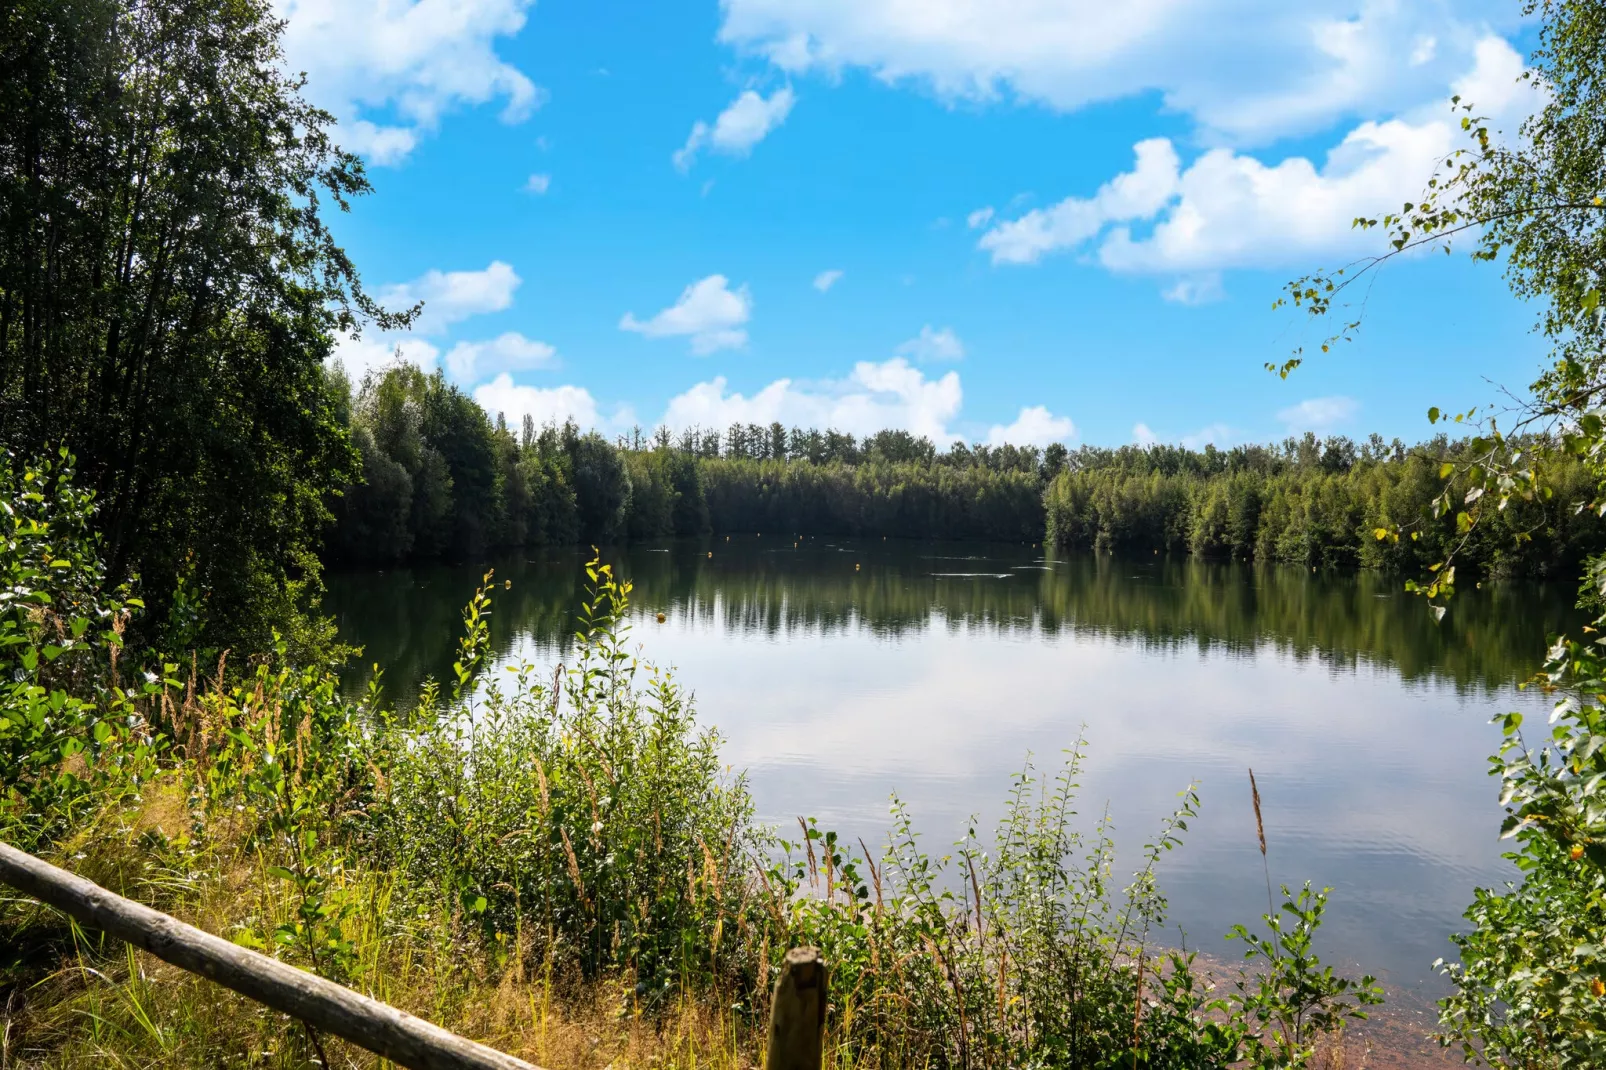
<point x="840" y="671"/>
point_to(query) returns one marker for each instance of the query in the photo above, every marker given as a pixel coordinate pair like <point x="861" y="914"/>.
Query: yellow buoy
<point x="662" y="618"/>
<point x="710" y="553"/>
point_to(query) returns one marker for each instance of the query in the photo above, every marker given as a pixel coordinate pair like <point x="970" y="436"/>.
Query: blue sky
<point x="1014" y="220"/>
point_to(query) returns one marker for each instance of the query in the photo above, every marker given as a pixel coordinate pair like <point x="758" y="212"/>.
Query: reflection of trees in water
<point x="409" y="619"/>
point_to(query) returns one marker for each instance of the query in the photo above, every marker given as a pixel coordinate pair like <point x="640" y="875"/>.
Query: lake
<point x="840" y="671"/>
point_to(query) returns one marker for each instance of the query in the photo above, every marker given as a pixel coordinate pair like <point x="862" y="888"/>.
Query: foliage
<point x="169" y="291"/>
<point x="1318" y="503"/>
<point x="66" y="727"/>
<point x="580" y="828"/>
<point x="1531" y="989"/>
<point x="902" y="500"/>
<point x="1297" y="998"/>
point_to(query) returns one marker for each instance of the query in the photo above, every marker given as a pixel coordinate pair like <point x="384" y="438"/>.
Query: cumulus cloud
<point x="1035" y="426"/>
<point x="708" y="312"/>
<point x="979" y="218"/>
<point x="1230" y="210"/>
<point x="1243" y="69"/>
<point x="538" y="184"/>
<point x="1200" y="289"/>
<point x="390" y="69"/>
<point x="510" y="351"/>
<point x="375" y="351"/>
<point x="1319" y="414"/>
<point x="545" y="404"/>
<point x="893" y="394"/>
<point x="1135" y="194"/>
<point x="827" y="279"/>
<point x="1216" y="434"/>
<point x="931" y="344"/>
<point x="744" y="123"/>
<point x="451" y="296"/>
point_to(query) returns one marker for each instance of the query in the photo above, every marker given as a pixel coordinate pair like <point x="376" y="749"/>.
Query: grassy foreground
<point x="555" y="862"/>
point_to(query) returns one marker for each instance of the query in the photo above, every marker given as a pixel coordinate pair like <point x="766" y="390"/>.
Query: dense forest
<point x="442" y="479"/>
<point x="439" y="477"/>
<point x="1318" y="503"/>
<point x="566" y="866"/>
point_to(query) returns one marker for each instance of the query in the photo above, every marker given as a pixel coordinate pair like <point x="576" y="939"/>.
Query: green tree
<point x="601" y="487"/>
<point x="169" y="291"/>
<point x="1531" y="986"/>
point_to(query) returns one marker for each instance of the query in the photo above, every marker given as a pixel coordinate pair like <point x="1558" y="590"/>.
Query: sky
<point x="998" y="220"/>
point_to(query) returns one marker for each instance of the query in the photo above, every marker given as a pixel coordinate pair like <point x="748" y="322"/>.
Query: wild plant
<point x="581" y="828"/>
<point x="1290" y="998"/>
<point x="67" y="727"/>
<point x="584" y="820"/>
<point x="1028" y="955"/>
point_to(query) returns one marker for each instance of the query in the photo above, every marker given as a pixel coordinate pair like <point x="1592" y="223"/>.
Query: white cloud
<point x="404" y="63"/>
<point x="979" y="218"/>
<point x="827" y="279"/>
<point x="538" y="184"/>
<point x="510" y="351"/>
<point x="941" y="344"/>
<point x="546" y="404"/>
<point x="450" y="296"/>
<point x="382" y="145"/>
<point x="373" y="351"/>
<point x="1135" y="194"/>
<point x="893" y="394"/>
<point x="1216" y="434"/>
<point x="1198" y="289"/>
<point x="1319" y="414"/>
<point x="1230" y="210"/>
<point x="1243" y="69"/>
<point x="746" y="122"/>
<point x="1035" y="426"/>
<point x="1210" y="435"/>
<point x="708" y="311"/>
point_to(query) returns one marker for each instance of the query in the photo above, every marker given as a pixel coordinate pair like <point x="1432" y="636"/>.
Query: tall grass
<point x="560" y="864"/>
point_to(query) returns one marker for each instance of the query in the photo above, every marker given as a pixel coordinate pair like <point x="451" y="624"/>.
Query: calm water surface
<point x="841" y="671"/>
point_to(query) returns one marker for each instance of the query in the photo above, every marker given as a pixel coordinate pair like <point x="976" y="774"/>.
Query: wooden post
<point x="378" y="1027"/>
<point x="797" y="1015"/>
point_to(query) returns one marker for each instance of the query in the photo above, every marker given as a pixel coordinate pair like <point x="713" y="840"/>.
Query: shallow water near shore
<point x="839" y="671"/>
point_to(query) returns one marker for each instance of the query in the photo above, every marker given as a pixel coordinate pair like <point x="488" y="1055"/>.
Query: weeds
<point x="560" y="864"/>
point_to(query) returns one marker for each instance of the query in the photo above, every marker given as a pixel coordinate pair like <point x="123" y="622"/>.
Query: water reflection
<point x="408" y="619"/>
<point x="841" y="671"/>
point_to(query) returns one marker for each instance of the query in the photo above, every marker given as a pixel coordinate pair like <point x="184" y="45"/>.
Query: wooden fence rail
<point x="368" y="1023"/>
<point x="797" y="1014"/>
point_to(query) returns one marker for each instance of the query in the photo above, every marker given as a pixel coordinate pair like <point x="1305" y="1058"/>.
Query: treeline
<point x="1318" y="503"/>
<point x="439" y="477"/>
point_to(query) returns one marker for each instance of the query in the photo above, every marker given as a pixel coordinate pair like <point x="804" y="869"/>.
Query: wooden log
<point x="797" y="1014"/>
<point x="368" y="1023"/>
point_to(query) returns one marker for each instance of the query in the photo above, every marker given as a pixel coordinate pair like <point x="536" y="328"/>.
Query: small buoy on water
<point x="662" y="618"/>
<point x="855" y="566"/>
<point x="710" y="553"/>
